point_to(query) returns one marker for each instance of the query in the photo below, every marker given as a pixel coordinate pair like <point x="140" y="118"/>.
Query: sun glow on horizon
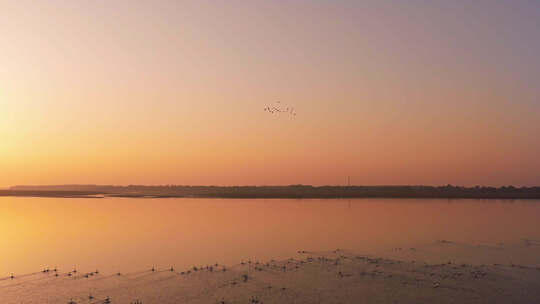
<point x="133" y="92"/>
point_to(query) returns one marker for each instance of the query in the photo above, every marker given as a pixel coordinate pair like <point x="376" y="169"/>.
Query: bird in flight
<point x="279" y="108"/>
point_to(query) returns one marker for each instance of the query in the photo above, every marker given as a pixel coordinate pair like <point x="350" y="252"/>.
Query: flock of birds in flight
<point x="279" y="108"/>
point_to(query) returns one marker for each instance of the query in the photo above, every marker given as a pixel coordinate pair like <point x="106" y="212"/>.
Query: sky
<point x="173" y="92"/>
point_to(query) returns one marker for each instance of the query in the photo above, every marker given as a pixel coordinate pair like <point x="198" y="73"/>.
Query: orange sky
<point x="134" y="92"/>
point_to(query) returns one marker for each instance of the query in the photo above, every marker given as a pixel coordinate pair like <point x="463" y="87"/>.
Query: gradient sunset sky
<point x="173" y="92"/>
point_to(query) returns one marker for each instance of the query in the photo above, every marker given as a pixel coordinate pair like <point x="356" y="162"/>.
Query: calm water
<point x="115" y="234"/>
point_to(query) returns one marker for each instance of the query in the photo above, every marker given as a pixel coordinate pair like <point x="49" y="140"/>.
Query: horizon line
<point x="265" y="185"/>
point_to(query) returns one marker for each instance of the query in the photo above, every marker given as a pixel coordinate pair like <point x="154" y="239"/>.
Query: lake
<point x="120" y="234"/>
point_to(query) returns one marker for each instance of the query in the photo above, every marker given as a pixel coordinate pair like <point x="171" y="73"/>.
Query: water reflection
<point x="118" y="234"/>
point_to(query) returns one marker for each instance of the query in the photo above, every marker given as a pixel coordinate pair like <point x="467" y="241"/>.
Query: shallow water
<point x="118" y="234"/>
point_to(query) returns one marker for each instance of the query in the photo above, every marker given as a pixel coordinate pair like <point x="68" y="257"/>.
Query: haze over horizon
<point x="173" y="92"/>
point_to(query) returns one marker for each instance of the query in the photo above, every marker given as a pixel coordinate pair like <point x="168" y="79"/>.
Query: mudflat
<point x="339" y="276"/>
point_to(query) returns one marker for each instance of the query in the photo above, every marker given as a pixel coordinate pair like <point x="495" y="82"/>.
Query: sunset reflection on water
<point x="117" y="234"/>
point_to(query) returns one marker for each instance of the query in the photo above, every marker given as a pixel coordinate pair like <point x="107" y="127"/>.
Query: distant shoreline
<point x="277" y="192"/>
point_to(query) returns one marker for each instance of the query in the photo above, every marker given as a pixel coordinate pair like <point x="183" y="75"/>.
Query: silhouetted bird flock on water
<point x="291" y="264"/>
<point x="424" y="273"/>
